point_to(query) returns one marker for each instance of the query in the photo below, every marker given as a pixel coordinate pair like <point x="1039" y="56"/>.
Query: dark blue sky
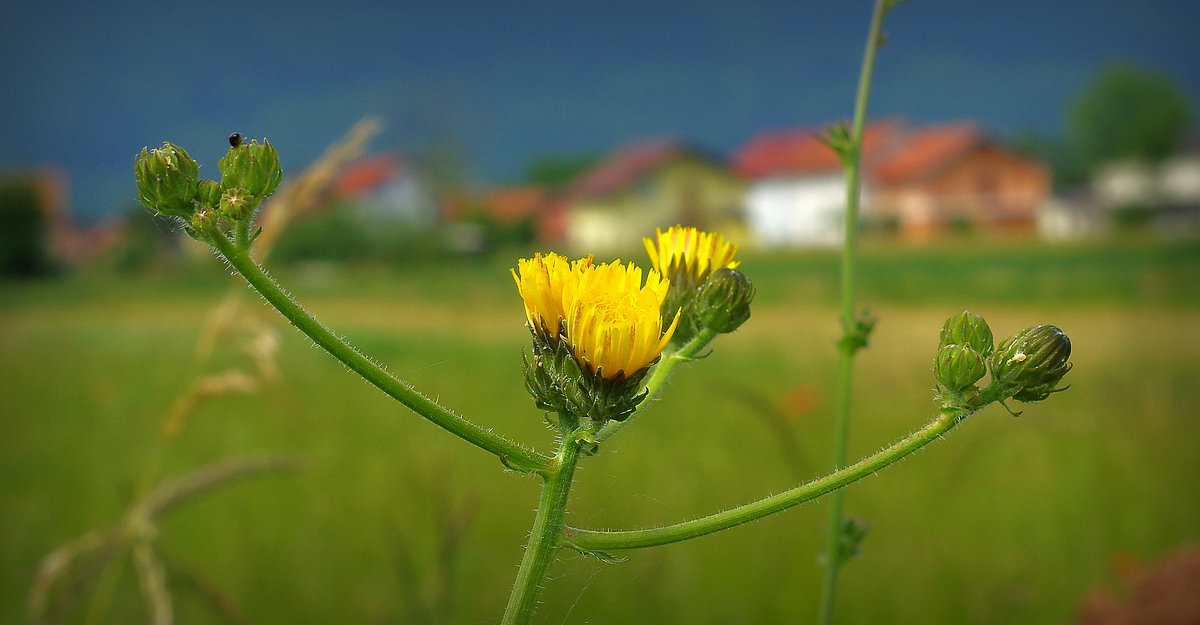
<point x="89" y="83"/>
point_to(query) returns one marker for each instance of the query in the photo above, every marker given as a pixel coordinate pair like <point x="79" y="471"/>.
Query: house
<point x="953" y="175"/>
<point x="642" y="186"/>
<point x="384" y="188"/>
<point x="797" y="187"/>
<point x="1165" y="194"/>
<point x="920" y="181"/>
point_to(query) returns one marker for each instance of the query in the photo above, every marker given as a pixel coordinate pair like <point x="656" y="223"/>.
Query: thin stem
<point x="545" y="535"/>
<point x="508" y="451"/>
<point x="658" y="377"/>
<point x="849" y="344"/>
<point x="594" y="540"/>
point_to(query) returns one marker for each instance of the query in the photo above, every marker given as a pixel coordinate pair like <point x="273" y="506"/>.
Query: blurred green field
<point x="1007" y="521"/>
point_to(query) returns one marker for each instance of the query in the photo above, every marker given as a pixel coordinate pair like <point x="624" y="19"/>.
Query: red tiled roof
<point x="366" y="175"/>
<point x="798" y="151"/>
<point x="625" y="166"/>
<point x="928" y="151"/>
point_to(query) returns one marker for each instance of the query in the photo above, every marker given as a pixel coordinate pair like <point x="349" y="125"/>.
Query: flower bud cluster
<point x="965" y="341"/>
<point x="1027" y="366"/>
<point x="168" y="183"/>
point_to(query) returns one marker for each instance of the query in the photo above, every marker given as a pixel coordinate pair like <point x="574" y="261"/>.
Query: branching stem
<point x="599" y="540"/>
<point x="513" y="453"/>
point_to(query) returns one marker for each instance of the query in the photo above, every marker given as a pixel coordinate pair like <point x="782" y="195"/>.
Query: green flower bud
<point x="958" y="367"/>
<point x="253" y="167"/>
<point x="204" y="220"/>
<point x="208" y="193"/>
<point x="968" y="329"/>
<point x="167" y="180"/>
<point x="723" y="303"/>
<point x="1029" y="364"/>
<point x="237" y="204"/>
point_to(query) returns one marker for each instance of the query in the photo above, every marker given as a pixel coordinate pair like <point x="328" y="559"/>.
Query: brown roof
<point x="625" y="166"/>
<point x="928" y="151"/>
<point x="799" y="151"/>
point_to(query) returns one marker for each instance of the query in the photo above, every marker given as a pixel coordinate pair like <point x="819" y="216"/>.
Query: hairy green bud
<point x="1030" y="364"/>
<point x="723" y="302"/>
<point x="208" y="193"/>
<point x="237" y="204"/>
<point x="958" y="367"/>
<point x="253" y="167"/>
<point x="970" y="330"/>
<point x="204" y="220"/>
<point x="167" y="180"/>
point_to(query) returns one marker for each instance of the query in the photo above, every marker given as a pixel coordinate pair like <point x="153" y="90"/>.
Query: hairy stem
<point x="597" y="540"/>
<point x="849" y="346"/>
<point x="545" y="535"/>
<point x="511" y="452"/>
<point x="658" y="377"/>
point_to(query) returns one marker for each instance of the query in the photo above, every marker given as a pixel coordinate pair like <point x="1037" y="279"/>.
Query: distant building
<point x="921" y="182"/>
<point x="385" y="188"/>
<point x="797" y="187"/>
<point x="1165" y="194"/>
<point x="643" y="186"/>
<point x="953" y="175"/>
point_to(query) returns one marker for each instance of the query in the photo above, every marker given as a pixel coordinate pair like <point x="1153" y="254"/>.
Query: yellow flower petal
<point x="688" y="254"/>
<point x="611" y="319"/>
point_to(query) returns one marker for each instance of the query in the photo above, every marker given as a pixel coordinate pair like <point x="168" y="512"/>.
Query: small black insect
<point x="235" y="139"/>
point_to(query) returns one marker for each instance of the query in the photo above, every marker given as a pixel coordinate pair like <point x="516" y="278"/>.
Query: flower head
<point x="611" y="320"/>
<point x="687" y="255"/>
<point x="596" y="328"/>
<point x="614" y="321"/>
<point x="546" y="284"/>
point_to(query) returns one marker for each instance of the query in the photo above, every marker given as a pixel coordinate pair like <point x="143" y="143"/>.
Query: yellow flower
<point x="547" y="284"/>
<point x="614" y="322"/>
<point x="688" y="255"/>
<point x="611" y="320"/>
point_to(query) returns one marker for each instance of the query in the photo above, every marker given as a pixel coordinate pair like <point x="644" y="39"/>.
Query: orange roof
<point x="928" y="151"/>
<point x="366" y="175"/>
<point x="799" y="151"/>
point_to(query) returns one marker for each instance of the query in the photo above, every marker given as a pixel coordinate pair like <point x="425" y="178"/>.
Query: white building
<point x="797" y="191"/>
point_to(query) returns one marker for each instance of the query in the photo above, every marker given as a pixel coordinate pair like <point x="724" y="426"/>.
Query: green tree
<point x="1128" y="112"/>
<point x="22" y="230"/>
<point x="556" y="171"/>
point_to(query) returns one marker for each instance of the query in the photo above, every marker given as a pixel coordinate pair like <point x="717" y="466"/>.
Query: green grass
<point x="1010" y="520"/>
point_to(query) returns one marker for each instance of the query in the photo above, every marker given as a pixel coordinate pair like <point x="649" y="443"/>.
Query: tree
<point x="555" y="171"/>
<point x="1128" y="112"/>
<point x="23" y="230"/>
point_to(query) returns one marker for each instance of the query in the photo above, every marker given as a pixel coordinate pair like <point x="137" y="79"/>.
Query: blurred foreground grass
<point x="1010" y="520"/>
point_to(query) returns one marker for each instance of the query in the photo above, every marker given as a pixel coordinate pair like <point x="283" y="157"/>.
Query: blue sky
<point x="90" y="83"/>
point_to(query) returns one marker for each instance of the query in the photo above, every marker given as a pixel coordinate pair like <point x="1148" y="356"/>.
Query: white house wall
<point x="793" y="211"/>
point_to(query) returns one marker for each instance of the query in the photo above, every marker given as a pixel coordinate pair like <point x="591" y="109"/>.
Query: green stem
<point x="508" y="451"/>
<point x="849" y="347"/>
<point x="658" y="377"/>
<point x="596" y="540"/>
<point x="545" y="535"/>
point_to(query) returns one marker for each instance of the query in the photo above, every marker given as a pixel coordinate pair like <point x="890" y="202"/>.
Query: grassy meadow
<point x="1009" y="520"/>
